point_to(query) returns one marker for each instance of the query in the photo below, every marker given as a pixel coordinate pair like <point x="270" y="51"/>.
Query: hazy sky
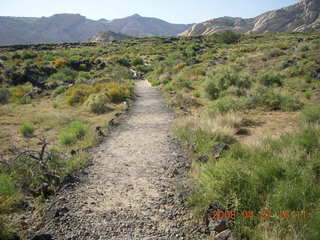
<point x="175" y="11"/>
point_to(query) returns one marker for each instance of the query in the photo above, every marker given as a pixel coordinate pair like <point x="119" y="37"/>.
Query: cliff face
<point x="303" y="16"/>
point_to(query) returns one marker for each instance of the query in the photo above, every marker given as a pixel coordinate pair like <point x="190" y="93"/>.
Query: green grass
<point x="76" y="131"/>
<point x="26" y="130"/>
<point x="310" y="114"/>
<point x="9" y="193"/>
<point x="280" y="175"/>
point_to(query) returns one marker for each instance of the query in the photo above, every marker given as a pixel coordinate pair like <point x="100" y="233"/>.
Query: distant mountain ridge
<point x="108" y="36"/>
<point x="300" y="17"/>
<point x="75" y="28"/>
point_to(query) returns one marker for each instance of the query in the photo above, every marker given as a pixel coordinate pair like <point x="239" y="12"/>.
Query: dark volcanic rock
<point x="43" y="237"/>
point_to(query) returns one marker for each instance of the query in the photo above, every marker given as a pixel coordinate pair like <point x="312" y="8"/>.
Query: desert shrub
<point x="183" y="101"/>
<point x="310" y="114"/>
<point x="9" y="192"/>
<point x="277" y="171"/>
<point x="20" y="91"/>
<point x="60" y="63"/>
<point x="227" y="104"/>
<point x="28" y="55"/>
<point x="303" y="47"/>
<point x="84" y="75"/>
<point x="285" y="64"/>
<point x="55" y="105"/>
<point x="67" y="138"/>
<point x="272" y="100"/>
<point x="123" y="61"/>
<point x="96" y="103"/>
<point x="274" y="53"/>
<point x="15" y="55"/>
<point x="4" y="95"/>
<point x="270" y="79"/>
<point x="26" y="130"/>
<point x="182" y="83"/>
<point x="78" y="128"/>
<point x="76" y="131"/>
<point x="137" y="61"/>
<point x="168" y="87"/>
<point x="221" y="79"/>
<point x="211" y="90"/>
<point x="119" y="73"/>
<point x="144" y="68"/>
<point x="228" y="37"/>
<point x="116" y="91"/>
<point x="202" y="134"/>
<point x="58" y="91"/>
<point x="64" y="75"/>
<point x="119" y="92"/>
<point x="78" y="94"/>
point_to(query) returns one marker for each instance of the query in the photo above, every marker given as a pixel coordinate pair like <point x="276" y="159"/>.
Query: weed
<point x="270" y="79"/>
<point x="96" y="103"/>
<point x="76" y="131"/>
<point x="4" y="95"/>
<point x="228" y="37"/>
<point x="310" y="114"/>
<point x="26" y="130"/>
<point x="9" y="193"/>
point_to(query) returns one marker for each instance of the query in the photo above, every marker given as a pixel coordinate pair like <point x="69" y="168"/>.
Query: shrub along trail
<point x="130" y="191"/>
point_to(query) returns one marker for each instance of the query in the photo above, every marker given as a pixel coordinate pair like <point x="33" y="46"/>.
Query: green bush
<point x="274" y="100"/>
<point x="78" y="94"/>
<point x="78" y="128"/>
<point x="275" y="176"/>
<point x="96" y="103"/>
<point x="76" y="131"/>
<point x="228" y="104"/>
<point x="274" y="53"/>
<point x="9" y="192"/>
<point x="26" y="130"/>
<point x="64" y="75"/>
<point x="67" y="138"/>
<point x="211" y="90"/>
<point x="28" y="55"/>
<point x="4" y="95"/>
<point x="225" y="77"/>
<point x="58" y="91"/>
<point x="119" y="92"/>
<point x="303" y="47"/>
<point x="124" y="61"/>
<point x="228" y="37"/>
<point x="270" y="79"/>
<point x="310" y="114"/>
<point x="137" y="61"/>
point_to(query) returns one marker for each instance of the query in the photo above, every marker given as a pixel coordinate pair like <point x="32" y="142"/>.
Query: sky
<point x="174" y="11"/>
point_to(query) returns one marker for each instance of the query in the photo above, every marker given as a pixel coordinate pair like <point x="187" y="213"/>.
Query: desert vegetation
<point x="225" y="89"/>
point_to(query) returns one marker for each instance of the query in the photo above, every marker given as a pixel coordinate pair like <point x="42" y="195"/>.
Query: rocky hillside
<point x="108" y="37"/>
<point x="301" y="17"/>
<point x="139" y="26"/>
<point x="74" y="28"/>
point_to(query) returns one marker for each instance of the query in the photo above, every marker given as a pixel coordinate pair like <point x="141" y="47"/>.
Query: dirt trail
<point x="129" y="192"/>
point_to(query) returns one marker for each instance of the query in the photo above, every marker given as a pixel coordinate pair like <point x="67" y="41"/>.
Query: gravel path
<point x="129" y="192"/>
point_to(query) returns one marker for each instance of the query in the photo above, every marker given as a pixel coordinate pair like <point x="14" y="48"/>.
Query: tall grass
<point x="281" y="175"/>
<point x="76" y="131"/>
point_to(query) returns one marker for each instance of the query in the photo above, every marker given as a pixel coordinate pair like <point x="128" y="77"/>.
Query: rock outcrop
<point x="301" y="17"/>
